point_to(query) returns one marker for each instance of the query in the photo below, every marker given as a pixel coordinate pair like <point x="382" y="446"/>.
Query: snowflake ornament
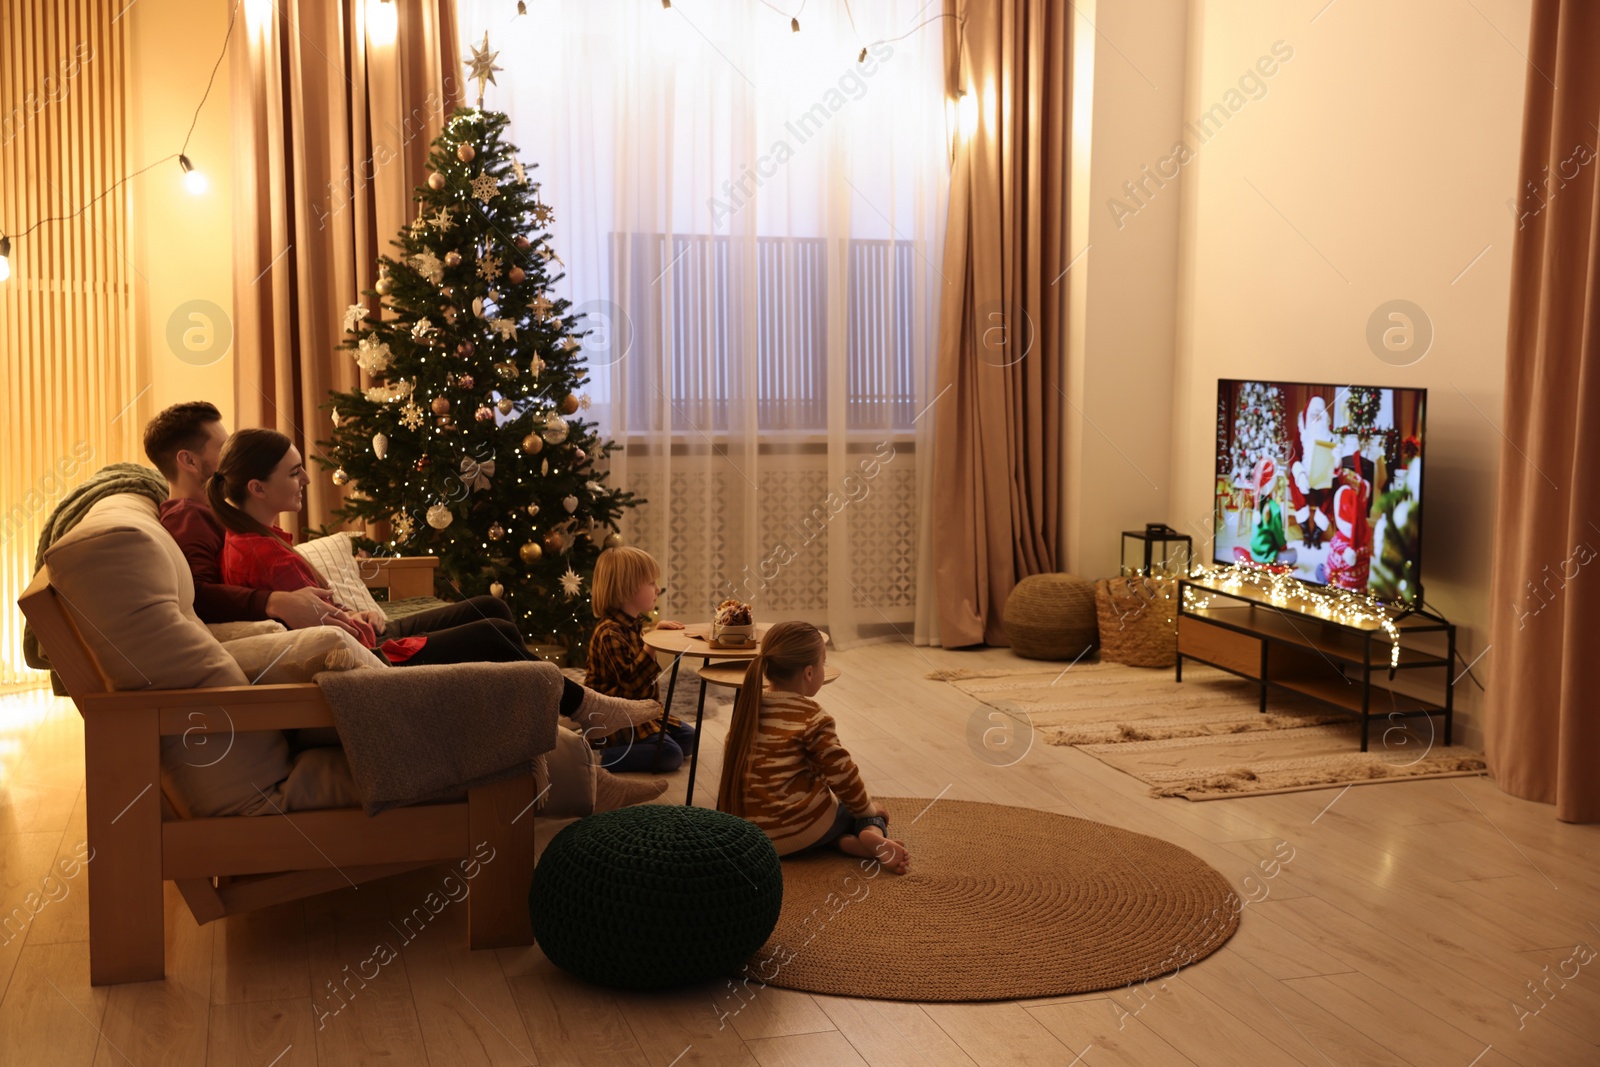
<point x="411" y="415"/>
<point x="403" y="526"/>
<point x="352" y="316"/>
<point x="442" y="221"/>
<point x="484" y="187"/>
<point x="373" y="355"/>
<point x="571" y="583"/>
<point x="489" y="266"/>
<point x="429" y="266"/>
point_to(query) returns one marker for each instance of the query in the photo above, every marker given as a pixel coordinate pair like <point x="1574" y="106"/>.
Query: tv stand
<point x="1291" y="646"/>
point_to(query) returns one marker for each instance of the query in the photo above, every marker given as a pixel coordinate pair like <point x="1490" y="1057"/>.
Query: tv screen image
<point x="1323" y="482"/>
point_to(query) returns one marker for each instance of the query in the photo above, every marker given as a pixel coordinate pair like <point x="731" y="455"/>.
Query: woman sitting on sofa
<point x="259" y="476"/>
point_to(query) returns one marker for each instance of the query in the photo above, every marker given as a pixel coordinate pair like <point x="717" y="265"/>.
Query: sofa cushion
<point x="300" y="655"/>
<point x="126" y="585"/>
<point x="334" y="556"/>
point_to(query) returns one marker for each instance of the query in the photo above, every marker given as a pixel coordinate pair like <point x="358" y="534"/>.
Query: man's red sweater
<point x="200" y="535"/>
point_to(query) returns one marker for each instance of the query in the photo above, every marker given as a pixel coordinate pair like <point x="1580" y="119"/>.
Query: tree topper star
<point x="482" y="67"/>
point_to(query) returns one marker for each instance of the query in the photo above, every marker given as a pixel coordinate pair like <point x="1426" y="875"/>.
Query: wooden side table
<point x="732" y="676"/>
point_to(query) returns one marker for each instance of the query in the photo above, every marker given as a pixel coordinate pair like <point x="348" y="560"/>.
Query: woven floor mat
<point x="1000" y="903"/>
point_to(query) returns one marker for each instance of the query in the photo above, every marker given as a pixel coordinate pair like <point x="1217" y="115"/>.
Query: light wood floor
<point x="1411" y="927"/>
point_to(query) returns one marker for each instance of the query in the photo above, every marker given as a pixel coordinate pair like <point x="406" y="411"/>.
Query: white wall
<point x="1377" y="165"/>
<point x="1118" y="379"/>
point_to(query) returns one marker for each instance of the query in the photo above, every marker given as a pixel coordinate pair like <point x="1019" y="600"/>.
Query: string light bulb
<point x="382" y="22"/>
<point x="5" y="258"/>
<point x="193" y="180"/>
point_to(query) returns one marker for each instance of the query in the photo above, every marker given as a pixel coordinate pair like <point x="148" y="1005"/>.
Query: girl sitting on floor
<point x="625" y="587"/>
<point x="783" y="767"/>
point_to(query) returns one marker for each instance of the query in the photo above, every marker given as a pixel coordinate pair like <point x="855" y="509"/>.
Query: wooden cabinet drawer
<point x="1220" y="646"/>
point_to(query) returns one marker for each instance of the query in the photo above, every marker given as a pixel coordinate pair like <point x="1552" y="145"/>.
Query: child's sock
<point x="613" y="791"/>
<point x="605" y="715"/>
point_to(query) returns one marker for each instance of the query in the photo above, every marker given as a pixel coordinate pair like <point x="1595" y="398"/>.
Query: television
<point x="1322" y="482"/>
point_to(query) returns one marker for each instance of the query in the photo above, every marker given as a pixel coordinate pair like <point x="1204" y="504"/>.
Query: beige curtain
<point x="1543" y="728"/>
<point x="1002" y="331"/>
<point x="332" y="124"/>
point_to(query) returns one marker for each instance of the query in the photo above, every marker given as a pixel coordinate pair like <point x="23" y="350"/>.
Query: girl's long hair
<point x="248" y="456"/>
<point x="787" y="649"/>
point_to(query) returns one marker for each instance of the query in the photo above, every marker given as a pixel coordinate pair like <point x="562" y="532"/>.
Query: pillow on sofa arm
<point x="127" y="586"/>
<point x="335" y="559"/>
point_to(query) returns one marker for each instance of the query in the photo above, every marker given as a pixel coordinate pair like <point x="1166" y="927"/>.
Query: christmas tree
<point x="1258" y="431"/>
<point x="469" y="444"/>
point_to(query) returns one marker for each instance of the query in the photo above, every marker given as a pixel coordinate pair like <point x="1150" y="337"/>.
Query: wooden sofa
<point x="226" y="865"/>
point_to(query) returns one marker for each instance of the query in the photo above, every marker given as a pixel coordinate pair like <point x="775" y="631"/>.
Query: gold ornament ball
<point x="530" y="552"/>
<point x="532" y="445"/>
<point x="436" y="181"/>
<point x="517" y="275"/>
<point x="466" y="381"/>
<point x="497" y="590"/>
<point x="522" y="243"/>
<point x="614" y="540"/>
<point x="441" y="405"/>
<point x="555" y="429"/>
<point x="383" y="286"/>
<point x="452" y="259"/>
<point x="466" y="153"/>
<point x="554" y="542"/>
<point x="439" y="517"/>
<point x="340" y="477"/>
<point x="569" y="405"/>
<point x="505" y="404"/>
<point x="496" y="531"/>
<point x="465" y="349"/>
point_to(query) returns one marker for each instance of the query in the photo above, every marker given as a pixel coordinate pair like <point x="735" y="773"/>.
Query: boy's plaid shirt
<point x="621" y="665"/>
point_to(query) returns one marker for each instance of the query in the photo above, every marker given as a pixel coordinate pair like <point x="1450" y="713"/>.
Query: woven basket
<point x="1138" y="621"/>
<point x="1051" y="616"/>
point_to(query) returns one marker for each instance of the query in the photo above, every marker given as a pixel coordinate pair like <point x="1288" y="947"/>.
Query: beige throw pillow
<point x="125" y="583"/>
<point x="334" y="556"/>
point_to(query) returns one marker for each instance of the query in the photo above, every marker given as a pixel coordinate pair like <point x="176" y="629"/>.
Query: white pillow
<point x="334" y="556"/>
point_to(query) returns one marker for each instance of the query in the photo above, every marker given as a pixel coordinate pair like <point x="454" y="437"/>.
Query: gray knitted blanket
<point x="414" y="734"/>
<point x="109" y="480"/>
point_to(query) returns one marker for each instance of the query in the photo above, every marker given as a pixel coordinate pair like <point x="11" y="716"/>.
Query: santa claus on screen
<point x="1309" y="501"/>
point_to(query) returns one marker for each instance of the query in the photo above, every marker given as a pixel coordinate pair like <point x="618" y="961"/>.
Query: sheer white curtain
<point x="754" y="218"/>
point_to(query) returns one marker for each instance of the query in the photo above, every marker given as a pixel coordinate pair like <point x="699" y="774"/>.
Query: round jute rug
<point x="1000" y="903"/>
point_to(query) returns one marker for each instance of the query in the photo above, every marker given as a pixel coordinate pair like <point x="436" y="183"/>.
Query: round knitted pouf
<point x="1051" y="616"/>
<point x="655" y="896"/>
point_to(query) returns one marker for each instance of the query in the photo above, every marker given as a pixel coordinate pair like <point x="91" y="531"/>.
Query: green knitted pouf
<point x="655" y="896"/>
<point x="1051" y="616"/>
